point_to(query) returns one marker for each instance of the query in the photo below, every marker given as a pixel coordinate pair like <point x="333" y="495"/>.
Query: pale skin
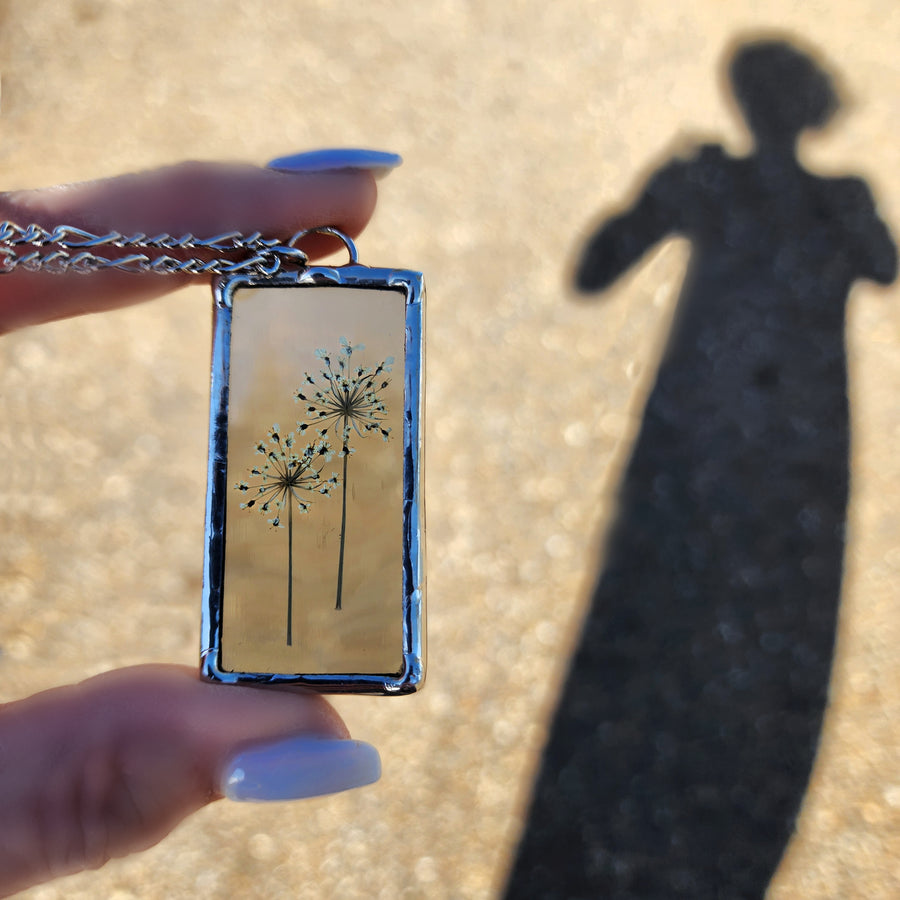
<point x="107" y="767"/>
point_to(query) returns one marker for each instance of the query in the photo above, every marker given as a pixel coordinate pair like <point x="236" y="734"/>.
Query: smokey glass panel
<point x="314" y="506"/>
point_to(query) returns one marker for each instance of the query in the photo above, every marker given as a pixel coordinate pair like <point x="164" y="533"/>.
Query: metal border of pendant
<point x="411" y="676"/>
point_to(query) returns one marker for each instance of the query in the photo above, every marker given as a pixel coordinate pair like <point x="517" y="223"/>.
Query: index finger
<point x="203" y="199"/>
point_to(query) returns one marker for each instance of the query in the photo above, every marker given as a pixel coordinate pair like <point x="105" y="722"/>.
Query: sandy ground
<point x="520" y="124"/>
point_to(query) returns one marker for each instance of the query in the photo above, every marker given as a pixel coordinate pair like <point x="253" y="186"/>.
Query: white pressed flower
<point x="285" y="480"/>
<point x="346" y="397"/>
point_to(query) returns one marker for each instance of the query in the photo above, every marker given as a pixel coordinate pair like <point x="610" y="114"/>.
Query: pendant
<point x="314" y="565"/>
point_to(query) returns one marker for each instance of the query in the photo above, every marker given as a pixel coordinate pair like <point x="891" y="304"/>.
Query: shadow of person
<point x="686" y="731"/>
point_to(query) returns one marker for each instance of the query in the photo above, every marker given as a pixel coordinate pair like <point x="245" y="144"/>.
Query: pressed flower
<point x="285" y="480"/>
<point x="346" y="397"/>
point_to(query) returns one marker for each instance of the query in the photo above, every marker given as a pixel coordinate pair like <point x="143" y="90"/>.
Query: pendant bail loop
<point x="345" y="239"/>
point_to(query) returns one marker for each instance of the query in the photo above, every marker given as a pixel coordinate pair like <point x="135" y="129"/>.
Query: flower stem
<point x="290" y="567"/>
<point x="340" y="578"/>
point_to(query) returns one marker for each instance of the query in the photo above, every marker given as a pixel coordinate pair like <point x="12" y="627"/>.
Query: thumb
<point x="109" y="766"/>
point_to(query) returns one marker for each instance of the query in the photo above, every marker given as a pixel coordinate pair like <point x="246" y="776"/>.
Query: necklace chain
<point x="66" y="248"/>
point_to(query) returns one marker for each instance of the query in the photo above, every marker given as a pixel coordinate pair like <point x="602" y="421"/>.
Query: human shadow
<point x="686" y="731"/>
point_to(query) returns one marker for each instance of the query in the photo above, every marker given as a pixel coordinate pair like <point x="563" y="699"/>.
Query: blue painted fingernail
<point x="376" y="161"/>
<point x="298" y="767"/>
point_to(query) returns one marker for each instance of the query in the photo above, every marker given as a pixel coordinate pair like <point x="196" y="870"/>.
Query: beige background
<point x="520" y="124"/>
<point x="274" y="336"/>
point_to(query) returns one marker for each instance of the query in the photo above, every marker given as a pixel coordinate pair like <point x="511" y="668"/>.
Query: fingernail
<point x="375" y="161"/>
<point x="300" y="767"/>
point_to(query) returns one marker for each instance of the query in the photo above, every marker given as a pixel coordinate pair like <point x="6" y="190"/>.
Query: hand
<point x="107" y="767"/>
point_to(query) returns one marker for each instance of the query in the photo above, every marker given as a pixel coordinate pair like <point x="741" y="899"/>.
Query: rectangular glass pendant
<point x="314" y="567"/>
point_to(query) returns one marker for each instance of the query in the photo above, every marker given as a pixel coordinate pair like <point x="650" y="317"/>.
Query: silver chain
<point x="66" y="248"/>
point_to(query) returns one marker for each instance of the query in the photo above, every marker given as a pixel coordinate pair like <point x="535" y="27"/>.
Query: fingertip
<point x="218" y="714"/>
<point x="345" y="199"/>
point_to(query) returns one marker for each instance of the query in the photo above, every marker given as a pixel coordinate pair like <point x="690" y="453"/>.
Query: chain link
<point x="66" y="248"/>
